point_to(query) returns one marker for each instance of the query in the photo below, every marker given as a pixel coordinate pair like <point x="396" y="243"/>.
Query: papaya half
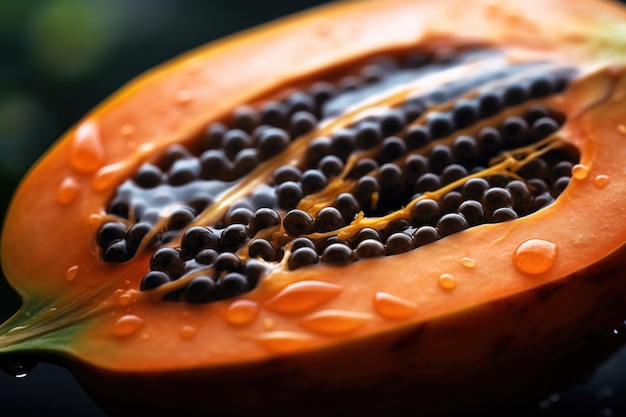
<point x="378" y="207"/>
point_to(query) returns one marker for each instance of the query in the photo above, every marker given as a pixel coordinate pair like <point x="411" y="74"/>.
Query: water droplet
<point x="621" y="129"/>
<point x="184" y="96"/>
<point x="535" y="256"/>
<point x="68" y="191"/>
<point x="127" y="325"/>
<point x="86" y="150"/>
<point x="125" y="299"/>
<point x="601" y="181"/>
<point x="188" y="332"/>
<point x="284" y="341"/>
<point x="393" y="307"/>
<point x="620" y="328"/>
<point x="71" y="273"/>
<point x="241" y="312"/>
<point x="127" y="130"/>
<point x="95" y="219"/>
<point x="17" y="329"/>
<point x="301" y="296"/>
<point x="269" y="324"/>
<point x="17" y="367"/>
<point x="468" y="262"/>
<point x="580" y="172"/>
<point x="108" y="176"/>
<point x="334" y="322"/>
<point x="447" y="281"/>
<point x="145" y="148"/>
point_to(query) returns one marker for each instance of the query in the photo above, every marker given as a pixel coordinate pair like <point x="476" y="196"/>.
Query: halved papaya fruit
<point x="376" y="207"/>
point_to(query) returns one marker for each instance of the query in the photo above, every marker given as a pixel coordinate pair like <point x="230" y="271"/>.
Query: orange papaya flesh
<point x="328" y="334"/>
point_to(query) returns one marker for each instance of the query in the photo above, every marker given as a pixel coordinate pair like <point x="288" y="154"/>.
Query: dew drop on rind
<point x="127" y="325"/>
<point x="601" y="181"/>
<point x="68" y="191"/>
<point x="580" y="171"/>
<point x="86" y="150"/>
<point x="241" y="312"/>
<point x="71" y="273"/>
<point x="535" y="256"/>
<point x="447" y="281"/>
<point x="393" y="307"/>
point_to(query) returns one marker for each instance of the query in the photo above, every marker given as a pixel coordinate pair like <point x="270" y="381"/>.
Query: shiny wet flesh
<point x="404" y="152"/>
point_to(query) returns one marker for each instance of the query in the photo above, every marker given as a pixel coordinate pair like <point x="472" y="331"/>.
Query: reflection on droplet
<point x="67" y="191"/>
<point x="269" y="324"/>
<point x="447" y="281"/>
<point x="620" y="328"/>
<point x="301" y="296"/>
<point x="241" y="312"/>
<point x="188" y="332"/>
<point x="86" y="150"/>
<point x="334" y="322"/>
<point x="108" y="176"/>
<point x="127" y="130"/>
<point x="184" y="96"/>
<point x="535" y="256"/>
<point x="17" y="367"/>
<point x="580" y="172"/>
<point x="95" y="219"/>
<point x="125" y="299"/>
<point x="468" y="262"/>
<point x="393" y="307"/>
<point x="127" y="325"/>
<point x="71" y="273"/>
<point x="601" y="181"/>
<point x="283" y="341"/>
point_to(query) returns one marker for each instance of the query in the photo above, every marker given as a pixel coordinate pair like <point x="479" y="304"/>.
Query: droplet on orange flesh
<point x="535" y="256"/>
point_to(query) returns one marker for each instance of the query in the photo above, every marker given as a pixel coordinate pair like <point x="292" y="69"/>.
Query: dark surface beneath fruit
<point x="40" y="99"/>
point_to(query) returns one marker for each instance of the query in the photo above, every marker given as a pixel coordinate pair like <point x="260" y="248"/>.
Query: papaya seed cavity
<point x="362" y="166"/>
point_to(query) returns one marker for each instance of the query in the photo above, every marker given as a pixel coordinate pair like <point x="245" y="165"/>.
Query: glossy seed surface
<point x="283" y="183"/>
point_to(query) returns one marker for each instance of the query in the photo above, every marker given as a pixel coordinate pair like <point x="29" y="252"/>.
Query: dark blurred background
<point x="58" y="59"/>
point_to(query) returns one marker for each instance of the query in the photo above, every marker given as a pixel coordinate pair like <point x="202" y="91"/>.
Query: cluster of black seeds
<point x="227" y="151"/>
<point x="402" y="154"/>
